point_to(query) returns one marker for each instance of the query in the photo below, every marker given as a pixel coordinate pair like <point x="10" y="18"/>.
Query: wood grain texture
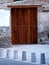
<point x="24" y="6"/>
<point x="24" y="25"/>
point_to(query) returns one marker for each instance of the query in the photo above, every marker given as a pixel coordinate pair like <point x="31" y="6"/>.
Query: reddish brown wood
<point x="24" y="6"/>
<point x="24" y="25"/>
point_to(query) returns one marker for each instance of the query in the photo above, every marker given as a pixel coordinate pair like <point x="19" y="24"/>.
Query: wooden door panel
<point x="24" y="25"/>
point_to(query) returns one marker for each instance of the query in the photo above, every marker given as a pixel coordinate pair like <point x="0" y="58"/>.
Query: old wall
<point x="3" y="1"/>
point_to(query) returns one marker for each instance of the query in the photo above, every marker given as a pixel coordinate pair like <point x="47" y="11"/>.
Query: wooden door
<point x="24" y="25"/>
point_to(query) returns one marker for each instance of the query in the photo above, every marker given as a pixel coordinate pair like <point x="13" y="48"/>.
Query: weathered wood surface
<point x="24" y="25"/>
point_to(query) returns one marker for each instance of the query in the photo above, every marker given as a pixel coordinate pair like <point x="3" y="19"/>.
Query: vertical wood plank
<point x="27" y="25"/>
<point x="33" y="25"/>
